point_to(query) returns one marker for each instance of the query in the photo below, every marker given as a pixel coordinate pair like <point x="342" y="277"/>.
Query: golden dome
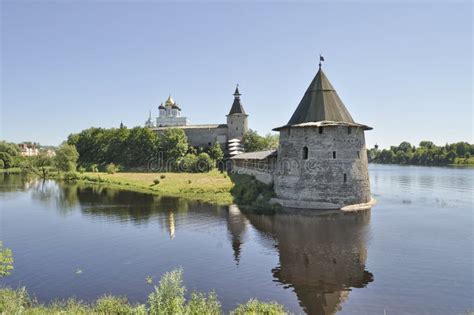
<point x="169" y="101"/>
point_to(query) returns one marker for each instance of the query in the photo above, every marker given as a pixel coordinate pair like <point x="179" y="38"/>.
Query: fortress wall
<point x="204" y="137"/>
<point x="320" y="178"/>
<point x="262" y="176"/>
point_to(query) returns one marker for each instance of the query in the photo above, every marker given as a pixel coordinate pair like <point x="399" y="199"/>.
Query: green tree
<point x="6" y="261"/>
<point x="386" y="156"/>
<point x="140" y="147"/>
<point x="10" y="148"/>
<point x="204" y="163"/>
<point x="174" y="144"/>
<point x="188" y="163"/>
<point x="461" y="148"/>
<point x="215" y="152"/>
<point x="41" y="164"/>
<point x="66" y="158"/>
<point x="272" y="141"/>
<point x="426" y="144"/>
<point x="252" y="141"/>
<point x="7" y="159"/>
<point x="405" y="146"/>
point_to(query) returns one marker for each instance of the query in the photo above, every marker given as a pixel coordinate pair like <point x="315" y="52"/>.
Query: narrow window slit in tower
<point x="305" y="153"/>
<point x="333" y="154"/>
<point x="349" y="130"/>
<point x="345" y="178"/>
<point x="358" y="154"/>
<point x="320" y="130"/>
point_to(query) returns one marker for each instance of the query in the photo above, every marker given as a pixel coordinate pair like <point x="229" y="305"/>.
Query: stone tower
<point x="322" y="158"/>
<point x="237" y="118"/>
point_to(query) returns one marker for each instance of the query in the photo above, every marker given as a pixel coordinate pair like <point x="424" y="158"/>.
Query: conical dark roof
<point x="320" y="103"/>
<point x="237" y="107"/>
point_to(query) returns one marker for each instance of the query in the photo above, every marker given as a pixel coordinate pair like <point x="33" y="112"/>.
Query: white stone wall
<point x="320" y="178"/>
<point x="171" y="121"/>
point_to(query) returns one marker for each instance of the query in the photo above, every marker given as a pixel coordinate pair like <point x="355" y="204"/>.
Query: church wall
<point x="321" y="178"/>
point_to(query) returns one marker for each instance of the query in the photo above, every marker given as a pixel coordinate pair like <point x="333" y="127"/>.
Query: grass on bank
<point x="12" y="170"/>
<point x="464" y="161"/>
<point x="167" y="298"/>
<point x="213" y="187"/>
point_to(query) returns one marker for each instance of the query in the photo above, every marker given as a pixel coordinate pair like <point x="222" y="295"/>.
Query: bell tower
<point x="237" y="123"/>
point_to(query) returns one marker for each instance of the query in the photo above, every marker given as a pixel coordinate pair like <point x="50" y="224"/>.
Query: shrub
<point x="14" y="301"/>
<point x="2" y="165"/>
<point x="111" y="168"/>
<point x="204" y="163"/>
<point x="81" y="169"/>
<point x="187" y="163"/>
<point x="254" y="306"/>
<point x="249" y="191"/>
<point x="190" y="181"/>
<point x="202" y="304"/>
<point x="93" y="168"/>
<point x="156" y="181"/>
<point x="162" y="176"/>
<point x="113" y="305"/>
<point x="168" y="298"/>
<point x="6" y="261"/>
<point x="71" y="176"/>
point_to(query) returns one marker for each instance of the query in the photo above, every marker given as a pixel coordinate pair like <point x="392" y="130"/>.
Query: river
<point x="411" y="253"/>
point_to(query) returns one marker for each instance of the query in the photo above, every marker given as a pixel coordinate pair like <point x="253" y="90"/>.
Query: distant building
<point x="229" y="134"/>
<point x="321" y="162"/>
<point x="28" y="149"/>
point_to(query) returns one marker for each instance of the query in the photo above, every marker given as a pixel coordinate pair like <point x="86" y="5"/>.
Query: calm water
<point x="412" y="253"/>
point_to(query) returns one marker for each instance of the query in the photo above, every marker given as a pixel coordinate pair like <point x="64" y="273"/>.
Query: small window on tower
<point x="333" y="154"/>
<point x="305" y="153"/>
<point x="320" y="130"/>
<point x="358" y="154"/>
<point x="345" y="178"/>
<point x="349" y="130"/>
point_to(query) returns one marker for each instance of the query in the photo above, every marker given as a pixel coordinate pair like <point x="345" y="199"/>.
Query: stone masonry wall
<point x="205" y="136"/>
<point x="320" y="178"/>
<point x="237" y="125"/>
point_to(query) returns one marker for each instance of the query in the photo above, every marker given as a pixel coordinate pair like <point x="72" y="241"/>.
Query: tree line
<point x="427" y="153"/>
<point x="138" y="148"/>
<point x="64" y="159"/>
<point x="141" y="148"/>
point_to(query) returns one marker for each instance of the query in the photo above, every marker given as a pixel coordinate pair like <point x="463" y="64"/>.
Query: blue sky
<point x="403" y="68"/>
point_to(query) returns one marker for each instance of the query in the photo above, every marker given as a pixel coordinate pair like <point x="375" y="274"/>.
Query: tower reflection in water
<point x="322" y="256"/>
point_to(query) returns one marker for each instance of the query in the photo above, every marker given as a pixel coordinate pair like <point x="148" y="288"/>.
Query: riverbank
<point x="167" y="297"/>
<point x="13" y="170"/>
<point x="213" y="187"/>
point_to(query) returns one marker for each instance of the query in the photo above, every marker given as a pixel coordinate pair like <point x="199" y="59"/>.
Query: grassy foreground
<point x="167" y="298"/>
<point x="213" y="187"/>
